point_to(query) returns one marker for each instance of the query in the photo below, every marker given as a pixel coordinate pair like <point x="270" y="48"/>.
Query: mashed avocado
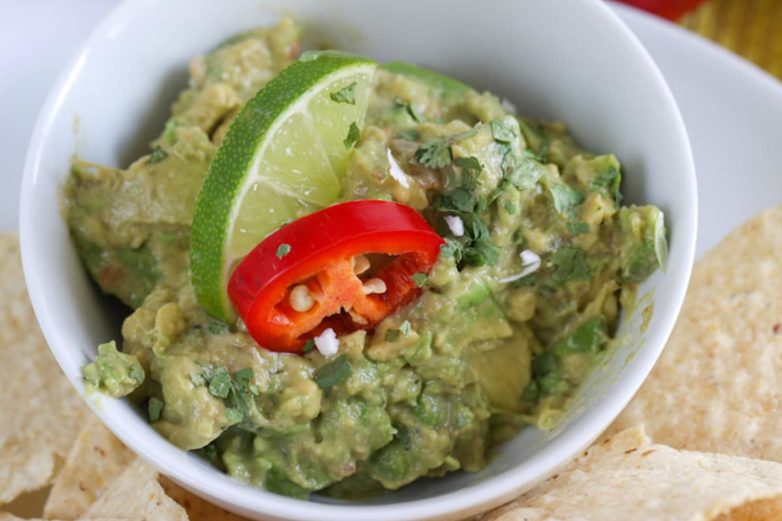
<point x="523" y="299"/>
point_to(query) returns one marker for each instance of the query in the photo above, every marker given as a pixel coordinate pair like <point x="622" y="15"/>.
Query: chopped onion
<point x="530" y="263"/>
<point x="396" y="171"/>
<point x="455" y="224"/>
<point x="327" y="343"/>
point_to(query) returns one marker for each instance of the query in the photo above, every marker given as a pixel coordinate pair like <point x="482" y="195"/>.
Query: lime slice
<point x="283" y="157"/>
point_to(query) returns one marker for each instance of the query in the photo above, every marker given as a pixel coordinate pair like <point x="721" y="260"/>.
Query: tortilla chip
<point x="717" y="385"/>
<point x="41" y="411"/>
<point x="628" y="478"/>
<point x="136" y="495"/>
<point x="94" y="461"/>
<point x="197" y="509"/>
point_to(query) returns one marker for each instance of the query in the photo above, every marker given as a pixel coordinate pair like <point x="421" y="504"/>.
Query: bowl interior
<point x="572" y="61"/>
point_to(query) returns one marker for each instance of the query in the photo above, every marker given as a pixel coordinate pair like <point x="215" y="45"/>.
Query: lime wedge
<point x="283" y="157"/>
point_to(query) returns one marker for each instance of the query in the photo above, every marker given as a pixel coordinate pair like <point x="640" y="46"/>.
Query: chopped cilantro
<point x="468" y="163"/>
<point x="353" y="135"/>
<point x="404" y="328"/>
<point x="154" y="408"/>
<point x="283" y="250"/>
<point x="157" y="155"/>
<point x="511" y="207"/>
<point x="569" y="264"/>
<point x="608" y="182"/>
<point x="587" y="338"/>
<point x="242" y="378"/>
<point x="502" y="132"/>
<point x="308" y="346"/>
<point x="345" y="94"/>
<point x="197" y="379"/>
<point x="217" y="327"/>
<point x="220" y="383"/>
<point x="333" y="373"/>
<point x="420" y="279"/>
<point x="565" y="197"/>
<point x="459" y="200"/>
<point x="409" y="108"/>
<point x="578" y="228"/>
<point x="233" y="415"/>
<point x="410" y="134"/>
<point x="435" y="153"/>
<point x="392" y="335"/>
<point x="521" y="172"/>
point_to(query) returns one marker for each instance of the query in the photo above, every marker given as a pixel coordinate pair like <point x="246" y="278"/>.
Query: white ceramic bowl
<point x="561" y="59"/>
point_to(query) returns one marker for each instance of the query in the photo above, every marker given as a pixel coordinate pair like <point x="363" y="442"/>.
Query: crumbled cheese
<point x="530" y="263"/>
<point x="396" y="171"/>
<point x="327" y="343"/>
<point x="455" y="224"/>
<point x="508" y="106"/>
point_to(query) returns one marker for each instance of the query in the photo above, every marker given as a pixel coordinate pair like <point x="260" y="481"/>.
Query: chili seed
<point x="360" y="264"/>
<point x="300" y="298"/>
<point x="374" y="286"/>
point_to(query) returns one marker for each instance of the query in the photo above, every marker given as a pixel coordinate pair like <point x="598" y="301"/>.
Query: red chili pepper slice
<point x="318" y="252"/>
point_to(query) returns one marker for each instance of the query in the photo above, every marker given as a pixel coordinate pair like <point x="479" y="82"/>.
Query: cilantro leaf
<point x="353" y="135"/>
<point x="154" y="408"/>
<point x="521" y="172"/>
<point x="459" y="200"/>
<point x="569" y="264"/>
<point x="578" y="228"/>
<point x="242" y="378"/>
<point x="157" y="155"/>
<point x="345" y="94"/>
<point x="435" y="153"/>
<point x="608" y="182"/>
<point x="282" y="250"/>
<point x="216" y="327"/>
<point x="410" y="134"/>
<point x="565" y="197"/>
<point x="420" y="279"/>
<point x="468" y="163"/>
<point x="587" y="338"/>
<point x="392" y="335"/>
<point x="220" y="383"/>
<point x="308" y="346"/>
<point x="409" y="108"/>
<point x="502" y="132"/>
<point x="333" y="373"/>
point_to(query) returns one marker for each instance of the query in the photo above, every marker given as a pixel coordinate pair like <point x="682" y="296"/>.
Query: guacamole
<point x="525" y="296"/>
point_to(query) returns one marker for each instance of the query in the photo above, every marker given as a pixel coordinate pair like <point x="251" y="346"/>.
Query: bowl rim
<point x="213" y="484"/>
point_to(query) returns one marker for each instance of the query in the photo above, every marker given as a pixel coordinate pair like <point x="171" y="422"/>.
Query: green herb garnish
<point x="410" y="134"/>
<point x="154" y="408"/>
<point x="157" y="155"/>
<point x="283" y="250"/>
<point x="333" y="373"/>
<point x="608" y="182"/>
<point x="587" y="338"/>
<point x="569" y="264"/>
<point x="420" y="279"/>
<point x="565" y="198"/>
<point x="220" y="383"/>
<point x="502" y="132"/>
<point x="435" y="153"/>
<point x="308" y="346"/>
<point x="345" y="94"/>
<point x="578" y="228"/>
<point x="409" y="108"/>
<point x="353" y="135"/>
